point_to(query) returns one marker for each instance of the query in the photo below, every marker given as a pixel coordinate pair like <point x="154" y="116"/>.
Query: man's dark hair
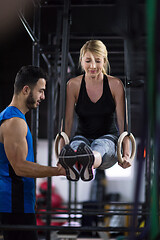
<point x="28" y="75"/>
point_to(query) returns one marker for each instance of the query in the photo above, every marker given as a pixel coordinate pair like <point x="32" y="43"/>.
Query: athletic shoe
<point x="86" y="158"/>
<point x="67" y="158"/>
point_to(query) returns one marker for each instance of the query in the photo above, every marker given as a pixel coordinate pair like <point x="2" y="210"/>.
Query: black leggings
<point x="19" y="219"/>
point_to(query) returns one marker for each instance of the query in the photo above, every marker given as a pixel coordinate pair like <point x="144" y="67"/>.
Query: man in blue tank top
<point x="17" y="166"/>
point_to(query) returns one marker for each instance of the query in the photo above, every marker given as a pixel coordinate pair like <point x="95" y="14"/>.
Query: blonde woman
<point x="98" y="100"/>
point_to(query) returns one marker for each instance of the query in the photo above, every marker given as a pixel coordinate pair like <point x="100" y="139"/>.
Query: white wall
<point x="123" y="185"/>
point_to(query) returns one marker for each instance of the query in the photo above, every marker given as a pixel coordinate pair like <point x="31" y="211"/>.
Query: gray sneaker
<point x="86" y="158"/>
<point x="68" y="158"/>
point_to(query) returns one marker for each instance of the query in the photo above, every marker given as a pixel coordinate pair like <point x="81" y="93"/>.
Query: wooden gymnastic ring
<point x="59" y="136"/>
<point x="119" y="146"/>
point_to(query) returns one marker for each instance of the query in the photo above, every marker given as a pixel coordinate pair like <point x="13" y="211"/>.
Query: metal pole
<point x="56" y="71"/>
<point x="69" y="200"/>
<point x="27" y="27"/>
<point x="128" y="70"/>
<point x="50" y="137"/>
<point x="64" y="66"/>
<point x="53" y="78"/>
<point x="35" y="62"/>
<point x="64" y="62"/>
<point x="75" y="196"/>
<point x="50" y="141"/>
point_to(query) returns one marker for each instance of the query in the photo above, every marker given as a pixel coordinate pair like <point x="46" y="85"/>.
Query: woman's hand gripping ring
<point x="119" y="146"/>
<point x="59" y="136"/>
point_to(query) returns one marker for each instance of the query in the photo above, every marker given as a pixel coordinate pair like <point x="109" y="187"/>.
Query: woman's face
<point x="92" y="64"/>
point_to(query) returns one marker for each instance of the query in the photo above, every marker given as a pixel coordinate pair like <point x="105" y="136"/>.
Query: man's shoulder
<point x="14" y="126"/>
<point x="10" y="112"/>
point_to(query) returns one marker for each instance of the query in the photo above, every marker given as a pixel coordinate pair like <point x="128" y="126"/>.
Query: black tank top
<point x="96" y="119"/>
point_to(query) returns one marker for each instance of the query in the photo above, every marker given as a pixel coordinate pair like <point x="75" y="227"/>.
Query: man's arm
<point x="14" y="133"/>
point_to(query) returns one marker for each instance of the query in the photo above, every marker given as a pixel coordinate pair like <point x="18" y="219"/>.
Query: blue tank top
<point x="17" y="194"/>
<point x="96" y="119"/>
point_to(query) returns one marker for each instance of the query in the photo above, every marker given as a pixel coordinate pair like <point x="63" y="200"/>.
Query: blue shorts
<point x="105" y="145"/>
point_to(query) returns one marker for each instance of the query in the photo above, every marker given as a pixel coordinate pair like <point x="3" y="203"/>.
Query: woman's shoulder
<point x="73" y="85"/>
<point x="75" y="82"/>
<point x="75" y="79"/>
<point x="116" y="86"/>
<point x="114" y="81"/>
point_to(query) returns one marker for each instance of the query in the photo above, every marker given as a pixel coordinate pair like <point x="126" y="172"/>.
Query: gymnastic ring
<point x="59" y="136"/>
<point x="119" y="146"/>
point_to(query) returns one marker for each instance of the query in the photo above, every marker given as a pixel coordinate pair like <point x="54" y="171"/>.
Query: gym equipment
<point x="119" y="146"/>
<point x="59" y="136"/>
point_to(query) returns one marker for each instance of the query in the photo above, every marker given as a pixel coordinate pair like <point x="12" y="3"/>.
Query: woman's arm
<point x="70" y="104"/>
<point x="118" y="93"/>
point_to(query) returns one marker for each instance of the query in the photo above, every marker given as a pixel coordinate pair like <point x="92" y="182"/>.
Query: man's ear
<point x="26" y="90"/>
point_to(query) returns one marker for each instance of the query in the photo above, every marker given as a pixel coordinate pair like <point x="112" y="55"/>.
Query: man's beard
<point x="31" y="101"/>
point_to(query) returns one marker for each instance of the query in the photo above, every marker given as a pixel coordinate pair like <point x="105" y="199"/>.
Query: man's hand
<point x="61" y="170"/>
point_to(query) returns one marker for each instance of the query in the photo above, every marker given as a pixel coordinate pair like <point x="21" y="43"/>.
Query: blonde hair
<point x="97" y="47"/>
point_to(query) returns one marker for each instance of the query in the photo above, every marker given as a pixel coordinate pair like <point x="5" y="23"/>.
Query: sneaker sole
<point x="67" y="163"/>
<point x="87" y="160"/>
